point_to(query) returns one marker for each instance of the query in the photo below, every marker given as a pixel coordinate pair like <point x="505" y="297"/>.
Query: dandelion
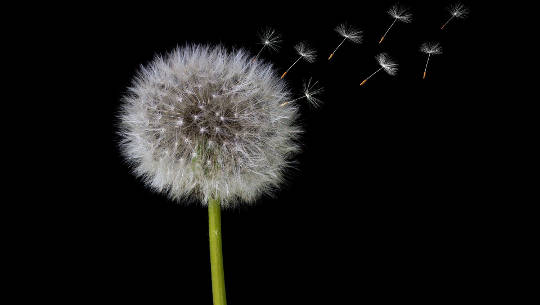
<point x="348" y="33"/>
<point x="305" y="53"/>
<point x="398" y="13"/>
<point x="386" y="63"/>
<point x="206" y="124"/>
<point x="457" y="10"/>
<point x="269" y="39"/>
<point x="310" y="94"/>
<point x="430" y="48"/>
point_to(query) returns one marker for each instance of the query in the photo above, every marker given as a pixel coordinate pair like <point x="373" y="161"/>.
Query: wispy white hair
<point x="431" y="48"/>
<point x="458" y="10"/>
<point x="400" y="13"/>
<point x="270" y="38"/>
<point x="311" y="91"/>
<point x="349" y="32"/>
<point x="202" y="122"/>
<point x="303" y="49"/>
<point x="387" y="63"/>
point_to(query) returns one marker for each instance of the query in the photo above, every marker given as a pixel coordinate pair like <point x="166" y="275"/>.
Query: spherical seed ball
<point x="203" y="122"/>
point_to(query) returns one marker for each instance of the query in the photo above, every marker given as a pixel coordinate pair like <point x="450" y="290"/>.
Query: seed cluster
<point x="206" y="123"/>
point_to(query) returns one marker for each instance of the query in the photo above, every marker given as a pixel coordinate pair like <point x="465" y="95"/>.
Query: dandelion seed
<point x="457" y="10"/>
<point x="398" y="13"/>
<point x="386" y="63"/>
<point x="310" y="94"/>
<point x="269" y="39"/>
<point x="430" y="48"/>
<point x="347" y="32"/>
<point x="305" y="52"/>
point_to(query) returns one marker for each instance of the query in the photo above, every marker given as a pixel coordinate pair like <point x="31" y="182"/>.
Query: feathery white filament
<point x="387" y="63"/>
<point x="305" y="52"/>
<point x="311" y="91"/>
<point x="458" y="10"/>
<point x="349" y="32"/>
<point x="269" y="39"/>
<point x="202" y="122"/>
<point x="400" y="13"/>
<point x="431" y="48"/>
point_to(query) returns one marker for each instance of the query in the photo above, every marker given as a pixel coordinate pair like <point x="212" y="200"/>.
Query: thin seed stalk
<point x="425" y="69"/>
<point x="442" y="27"/>
<point x="282" y="76"/>
<point x="216" y="254"/>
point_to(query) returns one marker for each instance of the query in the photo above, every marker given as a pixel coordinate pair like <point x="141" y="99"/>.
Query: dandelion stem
<point x="331" y="55"/>
<point x="216" y="254"/>
<point x="382" y="38"/>
<point x="442" y="27"/>
<point x="282" y="76"/>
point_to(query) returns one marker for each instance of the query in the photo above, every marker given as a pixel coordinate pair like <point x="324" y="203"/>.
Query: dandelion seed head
<point x="458" y="10"/>
<point x="431" y="48"/>
<point x="270" y="38"/>
<point x="235" y="148"/>
<point x="349" y="32"/>
<point x="387" y="63"/>
<point x="400" y="13"/>
<point x="306" y="52"/>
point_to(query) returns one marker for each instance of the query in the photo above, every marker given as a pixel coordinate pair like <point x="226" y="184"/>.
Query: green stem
<point x="216" y="255"/>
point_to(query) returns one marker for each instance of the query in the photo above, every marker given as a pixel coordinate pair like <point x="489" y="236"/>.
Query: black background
<point x="378" y="208"/>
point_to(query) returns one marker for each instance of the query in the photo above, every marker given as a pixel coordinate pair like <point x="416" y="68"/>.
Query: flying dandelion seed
<point x="386" y="63"/>
<point x="430" y="48"/>
<point x="398" y="13"/>
<point x="269" y="39"/>
<point x="310" y="94"/>
<point x="305" y="53"/>
<point x="457" y="10"/>
<point x="348" y="33"/>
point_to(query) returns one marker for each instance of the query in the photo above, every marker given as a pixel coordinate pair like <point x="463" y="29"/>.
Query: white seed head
<point x="235" y="148"/>
<point x="387" y="63"/>
<point x="269" y="38"/>
<point x="458" y="10"/>
<point x="311" y="91"/>
<point x="349" y="32"/>
<point x="400" y="13"/>
<point x="305" y="51"/>
<point x="431" y="48"/>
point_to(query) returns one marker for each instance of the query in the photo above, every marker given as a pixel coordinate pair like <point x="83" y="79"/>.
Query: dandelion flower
<point x="202" y="123"/>
<point x="205" y="123"/>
